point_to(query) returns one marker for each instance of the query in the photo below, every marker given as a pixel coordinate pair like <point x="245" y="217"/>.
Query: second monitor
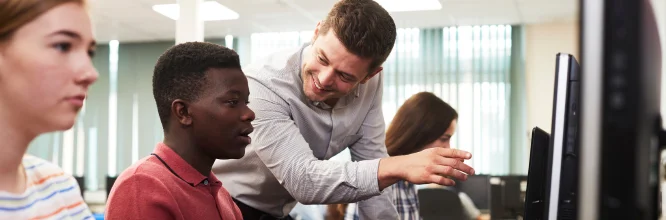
<point x="562" y="176"/>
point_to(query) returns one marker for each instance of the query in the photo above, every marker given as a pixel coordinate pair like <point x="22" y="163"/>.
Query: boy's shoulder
<point x="145" y="168"/>
<point x="145" y="174"/>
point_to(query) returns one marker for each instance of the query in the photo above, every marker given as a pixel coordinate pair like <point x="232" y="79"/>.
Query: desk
<point x="483" y="217"/>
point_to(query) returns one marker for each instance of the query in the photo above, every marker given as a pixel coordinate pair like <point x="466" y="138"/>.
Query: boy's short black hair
<point x="180" y="73"/>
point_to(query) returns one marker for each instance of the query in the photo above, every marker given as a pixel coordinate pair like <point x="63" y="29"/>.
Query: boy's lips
<point x="245" y="139"/>
<point x="244" y="135"/>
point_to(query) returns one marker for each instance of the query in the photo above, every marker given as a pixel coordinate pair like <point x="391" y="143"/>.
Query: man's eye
<point x="321" y="60"/>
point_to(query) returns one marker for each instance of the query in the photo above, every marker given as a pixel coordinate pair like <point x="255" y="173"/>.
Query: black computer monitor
<point x="535" y="194"/>
<point x="621" y="110"/>
<point x="562" y="171"/>
<point x="477" y="187"/>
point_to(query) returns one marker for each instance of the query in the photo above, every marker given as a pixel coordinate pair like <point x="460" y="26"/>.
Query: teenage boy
<point x="201" y="96"/>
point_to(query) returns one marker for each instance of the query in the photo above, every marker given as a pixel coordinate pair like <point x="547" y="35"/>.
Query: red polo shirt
<point x="149" y="190"/>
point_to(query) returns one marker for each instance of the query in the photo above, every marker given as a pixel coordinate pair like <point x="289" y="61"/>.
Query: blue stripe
<point x="74" y="214"/>
<point x="87" y="217"/>
<point x="33" y="192"/>
<point x="63" y="217"/>
<point x="79" y="212"/>
<point x="42" y="199"/>
<point x="36" y="165"/>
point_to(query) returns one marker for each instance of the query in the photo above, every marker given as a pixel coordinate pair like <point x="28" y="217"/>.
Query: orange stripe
<point x="42" y="180"/>
<point x="58" y="211"/>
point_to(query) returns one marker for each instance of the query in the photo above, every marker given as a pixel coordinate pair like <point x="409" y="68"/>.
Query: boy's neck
<point x="187" y="150"/>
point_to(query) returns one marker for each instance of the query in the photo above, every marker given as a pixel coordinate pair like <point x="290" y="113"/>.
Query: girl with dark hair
<point x="423" y="121"/>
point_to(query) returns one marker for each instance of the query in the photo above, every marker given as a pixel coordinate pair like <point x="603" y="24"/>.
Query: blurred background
<point x="492" y="60"/>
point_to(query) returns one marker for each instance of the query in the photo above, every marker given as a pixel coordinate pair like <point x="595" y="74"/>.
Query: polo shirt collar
<point x="183" y="169"/>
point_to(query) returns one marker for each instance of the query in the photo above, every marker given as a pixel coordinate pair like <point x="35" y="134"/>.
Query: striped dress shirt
<point x="294" y="138"/>
<point x="51" y="194"/>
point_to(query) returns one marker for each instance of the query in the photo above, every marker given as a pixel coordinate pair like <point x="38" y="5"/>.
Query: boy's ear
<point x="180" y="109"/>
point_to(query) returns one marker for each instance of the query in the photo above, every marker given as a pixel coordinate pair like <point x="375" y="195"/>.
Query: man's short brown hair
<point x="364" y="27"/>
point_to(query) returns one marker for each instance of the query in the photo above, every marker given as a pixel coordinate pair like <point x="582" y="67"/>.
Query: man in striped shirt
<point x="313" y="102"/>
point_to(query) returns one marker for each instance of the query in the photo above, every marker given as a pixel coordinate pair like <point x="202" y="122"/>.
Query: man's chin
<point x="312" y="97"/>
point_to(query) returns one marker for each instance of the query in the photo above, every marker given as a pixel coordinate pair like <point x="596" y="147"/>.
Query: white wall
<point x="660" y="13"/>
<point x="542" y="43"/>
<point x="243" y="50"/>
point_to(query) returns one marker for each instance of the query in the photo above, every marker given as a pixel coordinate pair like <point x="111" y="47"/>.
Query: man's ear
<point x="372" y="74"/>
<point x="180" y="109"/>
<point x="316" y="32"/>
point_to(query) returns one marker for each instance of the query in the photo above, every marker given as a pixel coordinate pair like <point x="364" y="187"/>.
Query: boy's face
<point x="220" y="117"/>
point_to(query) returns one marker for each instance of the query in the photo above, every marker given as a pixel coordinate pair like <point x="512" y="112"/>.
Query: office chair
<point x="477" y="187"/>
<point x="512" y="200"/>
<point x="440" y="203"/>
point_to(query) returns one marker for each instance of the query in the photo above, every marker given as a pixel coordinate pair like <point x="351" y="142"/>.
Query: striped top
<point x="405" y="199"/>
<point x="51" y="194"/>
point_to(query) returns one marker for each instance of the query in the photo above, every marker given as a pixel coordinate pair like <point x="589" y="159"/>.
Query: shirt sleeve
<point x="371" y="147"/>
<point x="281" y="147"/>
<point x="140" y="196"/>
